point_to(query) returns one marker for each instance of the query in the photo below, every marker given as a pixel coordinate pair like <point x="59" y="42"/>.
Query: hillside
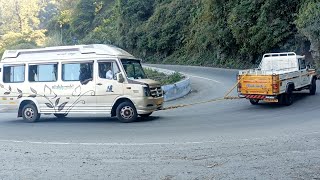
<point x="231" y="33"/>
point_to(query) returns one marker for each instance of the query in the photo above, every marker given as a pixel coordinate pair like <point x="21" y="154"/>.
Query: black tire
<point x="60" y="115"/>
<point x="313" y="87"/>
<point x="126" y="112"/>
<point x="30" y="113"/>
<point x="287" y="98"/>
<point x="145" y="115"/>
<point x="254" y="101"/>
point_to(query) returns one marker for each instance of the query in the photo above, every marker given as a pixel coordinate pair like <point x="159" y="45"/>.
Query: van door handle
<point x="99" y="84"/>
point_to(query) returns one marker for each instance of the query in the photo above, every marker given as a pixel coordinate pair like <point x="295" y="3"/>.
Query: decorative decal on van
<point x="10" y="91"/>
<point x="55" y="102"/>
<point x="109" y="88"/>
<point x="62" y="87"/>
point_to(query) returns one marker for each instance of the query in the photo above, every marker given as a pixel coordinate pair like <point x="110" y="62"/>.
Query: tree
<point x="83" y="17"/>
<point x="308" y="23"/>
<point x="259" y="26"/>
<point x="19" y="15"/>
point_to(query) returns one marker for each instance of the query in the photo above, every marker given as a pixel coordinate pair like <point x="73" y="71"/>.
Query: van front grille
<point x="156" y="92"/>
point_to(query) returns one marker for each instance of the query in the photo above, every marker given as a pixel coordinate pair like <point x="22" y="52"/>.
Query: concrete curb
<point x="176" y="90"/>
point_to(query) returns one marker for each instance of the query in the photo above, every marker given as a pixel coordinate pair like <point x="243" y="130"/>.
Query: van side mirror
<point x="120" y="78"/>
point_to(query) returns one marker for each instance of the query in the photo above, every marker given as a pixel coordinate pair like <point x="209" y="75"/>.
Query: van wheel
<point x="145" y="115"/>
<point x="254" y="101"/>
<point x="313" y="87"/>
<point x="126" y="112"/>
<point x="60" y="115"/>
<point x="30" y="113"/>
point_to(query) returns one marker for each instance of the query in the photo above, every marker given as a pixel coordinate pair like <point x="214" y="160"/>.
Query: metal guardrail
<point x="176" y="90"/>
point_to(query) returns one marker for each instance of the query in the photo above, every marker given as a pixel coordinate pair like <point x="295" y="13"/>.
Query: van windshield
<point x="133" y="69"/>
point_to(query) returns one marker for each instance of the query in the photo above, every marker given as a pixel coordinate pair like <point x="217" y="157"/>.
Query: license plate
<point x="271" y="100"/>
<point x="159" y="102"/>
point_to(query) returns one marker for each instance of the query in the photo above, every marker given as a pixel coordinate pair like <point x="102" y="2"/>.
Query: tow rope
<point x="225" y="97"/>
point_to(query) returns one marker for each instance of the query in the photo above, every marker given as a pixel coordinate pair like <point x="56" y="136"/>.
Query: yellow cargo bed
<point x="258" y="84"/>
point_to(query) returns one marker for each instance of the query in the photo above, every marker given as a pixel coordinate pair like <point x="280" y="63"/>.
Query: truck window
<point x="43" y="73"/>
<point x="14" y="74"/>
<point x="77" y="71"/>
<point x="108" y="70"/>
<point x="302" y="64"/>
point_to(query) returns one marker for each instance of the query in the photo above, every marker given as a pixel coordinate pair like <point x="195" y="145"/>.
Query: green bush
<point x="163" y="78"/>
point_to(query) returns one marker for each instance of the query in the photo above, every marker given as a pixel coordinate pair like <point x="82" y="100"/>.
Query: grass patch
<point x="163" y="78"/>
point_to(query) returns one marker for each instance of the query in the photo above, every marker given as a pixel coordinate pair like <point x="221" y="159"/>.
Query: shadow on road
<point x="80" y="120"/>
<point x="297" y="98"/>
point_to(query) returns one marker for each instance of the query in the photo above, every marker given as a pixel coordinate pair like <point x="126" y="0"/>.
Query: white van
<point x="86" y="79"/>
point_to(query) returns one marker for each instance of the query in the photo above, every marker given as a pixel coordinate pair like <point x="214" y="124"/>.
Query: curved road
<point x="221" y="140"/>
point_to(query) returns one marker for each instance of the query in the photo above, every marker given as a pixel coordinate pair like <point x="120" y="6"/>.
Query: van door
<point x="108" y="89"/>
<point x="77" y="87"/>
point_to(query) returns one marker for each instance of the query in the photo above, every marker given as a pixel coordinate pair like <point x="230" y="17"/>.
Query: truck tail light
<point x="275" y="84"/>
<point x="239" y="86"/>
<point x="239" y="83"/>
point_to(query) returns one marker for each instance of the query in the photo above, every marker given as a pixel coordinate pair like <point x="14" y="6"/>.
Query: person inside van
<point x="105" y="70"/>
<point x="85" y="74"/>
<point x="109" y="74"/>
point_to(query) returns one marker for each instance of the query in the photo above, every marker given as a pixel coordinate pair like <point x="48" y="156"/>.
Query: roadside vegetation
<point x="163" y="78"/>
<point x="231" y="33"/>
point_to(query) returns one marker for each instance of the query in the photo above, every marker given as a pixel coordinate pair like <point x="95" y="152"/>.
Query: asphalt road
<point x="230" y="139"/>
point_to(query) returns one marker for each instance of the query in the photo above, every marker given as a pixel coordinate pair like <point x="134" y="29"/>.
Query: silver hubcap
<point x="127" y="112"/>
<point x="29" y="113"/>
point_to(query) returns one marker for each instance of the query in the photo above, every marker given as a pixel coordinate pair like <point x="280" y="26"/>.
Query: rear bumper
<point x="260" y="97"/>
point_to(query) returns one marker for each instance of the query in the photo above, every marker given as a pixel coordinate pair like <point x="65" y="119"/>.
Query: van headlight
<point x="146" y="91"/>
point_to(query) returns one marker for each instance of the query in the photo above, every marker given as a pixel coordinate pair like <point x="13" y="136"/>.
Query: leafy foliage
<point x="164" y="79"/>
<point x="230" y="33"/>
<point x="308" y="23"/>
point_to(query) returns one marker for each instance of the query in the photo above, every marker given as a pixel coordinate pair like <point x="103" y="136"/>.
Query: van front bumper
<point x="149" y="105"/>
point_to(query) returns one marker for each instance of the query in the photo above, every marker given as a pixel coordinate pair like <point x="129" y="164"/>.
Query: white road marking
<point x="142" y="144"/>
<point x="103" y="144"/>
<point x="203" y="78"/>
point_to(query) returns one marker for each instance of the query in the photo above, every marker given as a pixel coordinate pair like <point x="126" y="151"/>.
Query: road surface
<point x="230" y="139"/>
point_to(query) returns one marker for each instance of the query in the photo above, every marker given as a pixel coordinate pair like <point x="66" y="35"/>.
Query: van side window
<point x="77" y="71"/>
<point x="108" y="70"/>
<point x="13" y="74"/>
<point x="43" y="73"/>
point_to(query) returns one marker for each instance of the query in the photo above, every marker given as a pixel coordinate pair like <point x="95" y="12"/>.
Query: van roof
<point x="64" y="52"/>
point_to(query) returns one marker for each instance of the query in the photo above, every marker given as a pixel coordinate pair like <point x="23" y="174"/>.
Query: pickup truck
<point x="276" y="78"/>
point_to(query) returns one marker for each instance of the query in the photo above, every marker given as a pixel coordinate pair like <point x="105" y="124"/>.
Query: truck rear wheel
<point x="254" y="101"/>
<point x="313" y="87"/>
<point x="126" y="112"/>
<point x="287" y="98"/>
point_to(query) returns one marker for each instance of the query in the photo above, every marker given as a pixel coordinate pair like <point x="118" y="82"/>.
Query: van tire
<point x="126" y="112"/>
<point x="254" y="101"/>
<point x="313" y="87"/>
<point x="30" y="113"/>
<point x="145" y="115"/>
<point x="60" y="115"/>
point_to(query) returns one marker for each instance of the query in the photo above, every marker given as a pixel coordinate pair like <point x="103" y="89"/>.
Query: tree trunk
<point x="17" y="11"/>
